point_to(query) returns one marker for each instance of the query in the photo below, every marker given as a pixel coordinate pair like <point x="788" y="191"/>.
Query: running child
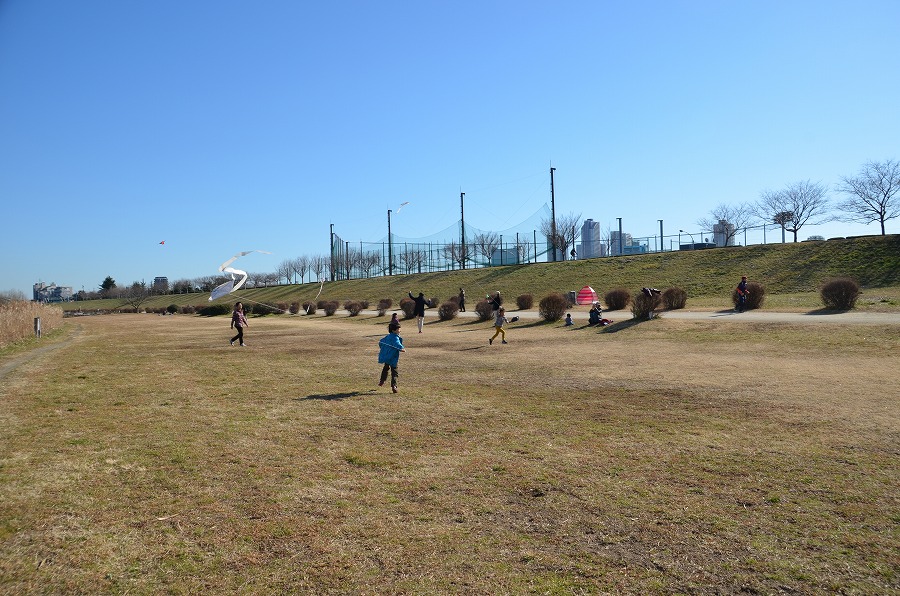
<point x="389" y="355"/>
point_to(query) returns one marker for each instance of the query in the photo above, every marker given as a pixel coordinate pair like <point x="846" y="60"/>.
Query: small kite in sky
<point x="402" y="205"/>
<point x="232" y="285"/>
<point x="163" y="242"/>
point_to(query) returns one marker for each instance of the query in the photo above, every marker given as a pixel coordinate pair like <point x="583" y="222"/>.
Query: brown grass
<point x="667" y="456"/>
<point x="17" y="320"/>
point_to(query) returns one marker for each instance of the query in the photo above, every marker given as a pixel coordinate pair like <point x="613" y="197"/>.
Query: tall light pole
<point x="552" y="214"/>
<point x="661" y="247"/>
<point x="390" y="250"/>
<point x="462" y="219"/>
<point x="620" y="235"/>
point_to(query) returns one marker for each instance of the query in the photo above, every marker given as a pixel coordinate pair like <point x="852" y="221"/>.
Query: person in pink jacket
<point x="240" y="321"/>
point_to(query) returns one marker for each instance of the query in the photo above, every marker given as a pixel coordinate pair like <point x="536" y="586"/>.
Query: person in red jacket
<point x="240" y="321"/>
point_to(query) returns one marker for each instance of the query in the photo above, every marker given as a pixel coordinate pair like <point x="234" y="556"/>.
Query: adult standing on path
<point x="419" y="310"/>
<point x="462" y="300"/>
<point x="742" y="294"/>
<point x="240" y="321"/>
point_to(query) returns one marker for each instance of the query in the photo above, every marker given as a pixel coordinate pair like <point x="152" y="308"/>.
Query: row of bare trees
<point x="871" y="196"/>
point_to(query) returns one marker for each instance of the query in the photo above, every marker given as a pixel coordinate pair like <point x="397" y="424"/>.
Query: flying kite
<point x="232" y="285"/>
<point x="402" y="205"/>
<point x="163" y="242"/>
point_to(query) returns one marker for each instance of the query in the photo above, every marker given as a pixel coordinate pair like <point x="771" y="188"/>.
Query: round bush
<point x="840" y="293"/>
<point x="408" y="306"/>
<point x="353" y="307"/>
<point x="448" y="310"/>
<point x="674" y="298"/>
<point x="553" y="307"/>
<point x="525" y="301"/>
<point x="309" y="307"/>
<point x="617" y="299"/>
<point x="756" y="293"/>
<point x="642" y="306"/>
<point x="383" y="305"/>
<point x="215" y="309"/>
<point x="330" y="307"/>
<point x="294" y="308"/>
<point x="172" y="309"/>
<point x="483" y="310"/>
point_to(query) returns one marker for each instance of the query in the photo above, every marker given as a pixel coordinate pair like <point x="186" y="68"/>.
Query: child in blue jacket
<point x="389" y="355"/>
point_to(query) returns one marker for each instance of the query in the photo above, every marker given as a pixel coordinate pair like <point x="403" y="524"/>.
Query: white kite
<point x="402" y="205"/>
<point x="232" y="285"/>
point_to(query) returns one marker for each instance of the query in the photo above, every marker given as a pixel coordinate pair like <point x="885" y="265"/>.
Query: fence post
<point x="37" y="327"/>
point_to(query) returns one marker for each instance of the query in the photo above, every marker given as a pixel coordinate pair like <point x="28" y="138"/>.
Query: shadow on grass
<point x="828" y="311"/>
<point x="621" y="326"/>
<point x="335" y="396"/>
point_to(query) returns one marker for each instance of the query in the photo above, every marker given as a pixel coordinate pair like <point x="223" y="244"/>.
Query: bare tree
<point x="523" y="249"/>
<point x="485" y="244"/>
<point x="300" y="266"/>
<point x="729" y="219"/>
<point x="369" y="262"/>
<point x="566" y="232"/>
<point x="455" y="253"/>
<point x="135" y="295"/>
<point x="413" y="259"/>
<point x="285" y="270"/>
<point x="796" y="205"/>
<point x="320" y="265"/>
<point x="872" y="194"/>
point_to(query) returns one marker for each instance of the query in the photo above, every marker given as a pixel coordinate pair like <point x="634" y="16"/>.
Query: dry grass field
<point x="145" y="455"/>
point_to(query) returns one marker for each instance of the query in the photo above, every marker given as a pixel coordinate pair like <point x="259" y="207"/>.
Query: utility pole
<point x="390" y="250"/>
<point x="462" y="219"/>
<point x="661" y="249"/>
<point x="552" y="214"/>
<point x="331" y="244"/>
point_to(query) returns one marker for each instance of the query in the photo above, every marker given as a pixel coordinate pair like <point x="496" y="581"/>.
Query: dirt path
<point x="30" y="355"/>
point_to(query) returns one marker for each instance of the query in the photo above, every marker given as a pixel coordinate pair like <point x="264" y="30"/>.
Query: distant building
<point x="592" y="245"/>
<point x="505" y="256"/>
<point x="51" y="293"/>
<point x="620" y="248"/>
<point x="723" y="234"/>
<point x="161" y="285"/>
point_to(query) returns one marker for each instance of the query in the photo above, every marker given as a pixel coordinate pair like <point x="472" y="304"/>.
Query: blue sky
<point x="222" y="126"/>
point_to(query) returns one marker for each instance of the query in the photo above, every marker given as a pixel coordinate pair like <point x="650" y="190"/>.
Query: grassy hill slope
<point x="874" y="261"/>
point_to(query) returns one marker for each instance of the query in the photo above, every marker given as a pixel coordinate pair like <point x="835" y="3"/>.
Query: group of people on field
<point x="392" y="344"/>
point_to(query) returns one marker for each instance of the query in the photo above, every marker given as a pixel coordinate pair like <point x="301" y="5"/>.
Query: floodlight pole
<point x="331" y="244"/>
<point x="661" y="248"/>
<point x="462" y="219"/>
<point x="390" y="249"/>
<point x="552" y="214"/>
<point x="620" y="235"/>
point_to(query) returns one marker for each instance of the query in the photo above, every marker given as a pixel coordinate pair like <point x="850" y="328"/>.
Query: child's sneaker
<point x="491" y="341"/>
<point x="394" y="388"/>
<point x="231" y="343"/>
<point x="506" y="342"/>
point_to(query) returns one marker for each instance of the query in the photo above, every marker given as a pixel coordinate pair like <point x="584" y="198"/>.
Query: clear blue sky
<point x="221" y="126"/>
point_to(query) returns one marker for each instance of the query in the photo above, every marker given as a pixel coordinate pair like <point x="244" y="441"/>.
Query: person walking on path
<point x="462" y="300"/>
<point x="419" y="310"/>
<point x="499" y="321"/>
<point x="742" y="294"/>
<point x="389" y="355"/>
<point x="240" y="321"/>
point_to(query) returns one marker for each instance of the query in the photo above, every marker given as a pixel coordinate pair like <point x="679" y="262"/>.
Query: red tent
<point x="586" y="295"/>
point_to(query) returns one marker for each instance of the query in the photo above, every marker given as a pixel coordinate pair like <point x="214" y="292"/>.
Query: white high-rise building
<point x="723" y="234"/>
<point x="592" y="245"/>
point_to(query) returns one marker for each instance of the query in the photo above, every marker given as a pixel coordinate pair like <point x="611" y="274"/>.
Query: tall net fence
<point x="459" y="246"/>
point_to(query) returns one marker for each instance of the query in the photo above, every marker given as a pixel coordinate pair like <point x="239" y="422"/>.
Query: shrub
<point x="525" y="301"/>
<point x="354" y="307"/>
<point x="215" y="309"/>
<point x="294" y="308"/>
<point x="364" y="304"/>
<point x="840" y="293"/>
<point x="188" y="309"/>
<point x="262" y="310"/>
<point x="483" y="309"/>
<point x="553" y="307"/>
<point x="432" y="302"/>
<point x="756" y="293"/>
<point x="674" y="298"/>
<point x="383" y="305"/>
<point x="309" y="307"/>
<point x="330" y="307"/>
<point x="321" y="304"/>
<point x="448" y="310"/>
<point x="172" y="308"/>
<point x="408" y="306"/>
<point x="617" y="299"/>
<point x="642" y="306"/>
<point x="282" y="307"/>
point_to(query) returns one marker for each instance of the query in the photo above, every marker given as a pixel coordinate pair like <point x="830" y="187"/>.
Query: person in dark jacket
<point x="419" y="310"/>
<point x="462" y="300"/>
<point x="240" y="321"/>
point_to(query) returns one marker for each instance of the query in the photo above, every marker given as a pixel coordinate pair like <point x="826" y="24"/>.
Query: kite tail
<point x="261" y="304"/>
